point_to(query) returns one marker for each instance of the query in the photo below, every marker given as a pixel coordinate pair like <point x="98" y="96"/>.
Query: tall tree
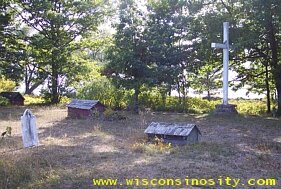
<point x="60" y="23"/>
<point x="128" y="65"/>
<point x="170" y="44"/>
<point x="258" y="43"/>
<point x="207" y="25"/>
<point x="7" y="43"/>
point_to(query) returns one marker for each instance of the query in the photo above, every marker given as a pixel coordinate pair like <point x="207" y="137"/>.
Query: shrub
<point x="250" y="107"/>
<point x="6" y="85"/>
<point x="39" y="100"/>
<point x="33" y="100"/>
<point x="103" y="90"/>
<point x="4" y="101"/>
<point x="64" y="100"/>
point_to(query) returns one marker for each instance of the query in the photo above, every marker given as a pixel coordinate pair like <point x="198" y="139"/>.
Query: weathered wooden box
<point x="84" y="108"/>
<point x="15" y="98"/>
<point x="174" y="133"/>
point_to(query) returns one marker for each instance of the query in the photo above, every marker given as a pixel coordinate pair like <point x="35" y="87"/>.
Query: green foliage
<point x="64" y="100"/>
<point x="167" y="30"/>
<point x="193" y="105"/>
<point x="4" y="101"/>
<point x="103" y="90"/>
<point x="208" y="79"/>
<point x="41" y="100"/>
<point x="8" y="56"/>
<point x="251" y="107"/>
<point x="128" y="66"/>
<point x="259" y="45"/>
<point x="58" y="26"/>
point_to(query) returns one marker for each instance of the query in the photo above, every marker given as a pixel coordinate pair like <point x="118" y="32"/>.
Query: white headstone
<point x="225" y="47"/>
<point x="29" y="131"/>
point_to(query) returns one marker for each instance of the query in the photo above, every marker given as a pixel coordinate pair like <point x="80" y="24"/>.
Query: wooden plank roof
<point x="176" y="129"/>
<point x="82" y="104"/>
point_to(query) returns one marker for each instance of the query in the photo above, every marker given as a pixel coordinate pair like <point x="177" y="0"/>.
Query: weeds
<point x="158" y="146"/>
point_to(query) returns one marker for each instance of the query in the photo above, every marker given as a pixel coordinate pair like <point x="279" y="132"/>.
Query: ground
<point x="73" y="152"/>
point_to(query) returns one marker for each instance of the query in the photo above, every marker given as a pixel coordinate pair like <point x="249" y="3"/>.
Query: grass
<point x="74" y="151"/>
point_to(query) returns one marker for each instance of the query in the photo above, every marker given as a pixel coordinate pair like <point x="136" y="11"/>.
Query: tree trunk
<point x="55" y="94"/>
<point x="136" y="100"/>
<point x="163" y="96"/>
<point x="274" y="62"/>
<point x="209" y="95"/>
<point x="184" y="97"/>
<point x="278" y="89"/>
<point x="29" y="89"/>
<point x="267" y="89"/>
<point x="26" y="81"/>
<point x="179" y="92"/>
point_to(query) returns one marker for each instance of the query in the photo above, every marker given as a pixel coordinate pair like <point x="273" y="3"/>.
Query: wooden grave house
<point x="84" y="108"/>
<point x="174" y="133"/>
<point x="15" y="98"/>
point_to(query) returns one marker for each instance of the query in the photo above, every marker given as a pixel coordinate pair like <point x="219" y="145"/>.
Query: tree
<point x="258" y="43"/>
<point x="254" y="32"/>
<point x="59" y="24"/>
<point x="207" y="26"/>
<point x="128" y="65"/>
<point x="7" y="43"/>
<point x="208" y="79"/>
<point x="169" y="42"/>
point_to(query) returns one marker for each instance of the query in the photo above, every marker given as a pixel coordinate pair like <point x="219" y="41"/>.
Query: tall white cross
<point x="225" y="47"/>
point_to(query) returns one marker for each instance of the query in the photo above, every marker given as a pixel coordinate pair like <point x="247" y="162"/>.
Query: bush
<point x="250" y="107"/>
<point x="198" y="105"/>
<point x="33" y="100"/>
<point x="39" y="100"/>
<point x="64" y="100"/>
<point x="4" y="101"/>
<point x="6" y="85"/>
<point x="103" y="90"/>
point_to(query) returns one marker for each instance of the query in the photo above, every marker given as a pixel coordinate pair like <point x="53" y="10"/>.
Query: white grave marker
<point x="29" y="131"/>
<point x="225" y="47"/>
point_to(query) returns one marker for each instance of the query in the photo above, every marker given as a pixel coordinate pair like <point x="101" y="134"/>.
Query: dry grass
<point x="73" y="152"/>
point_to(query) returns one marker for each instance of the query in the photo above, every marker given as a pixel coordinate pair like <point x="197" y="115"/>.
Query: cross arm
<point x="219" y="45"/>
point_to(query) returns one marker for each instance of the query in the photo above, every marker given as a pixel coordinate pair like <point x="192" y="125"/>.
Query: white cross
<point x="225" y="47"/>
